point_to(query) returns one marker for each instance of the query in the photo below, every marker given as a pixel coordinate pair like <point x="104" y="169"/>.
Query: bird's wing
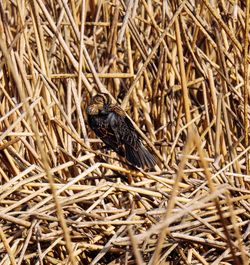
<point x="124" y="132"/>
<point x="103" y="130"/>
<point x="124" y="121"/>
<point x="122" y="128"/>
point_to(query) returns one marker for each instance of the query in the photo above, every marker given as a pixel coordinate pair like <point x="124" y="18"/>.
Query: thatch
<point x="180" y="70"/>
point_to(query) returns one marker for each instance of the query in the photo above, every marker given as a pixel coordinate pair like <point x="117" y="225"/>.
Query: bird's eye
<point x="99" y="99"/>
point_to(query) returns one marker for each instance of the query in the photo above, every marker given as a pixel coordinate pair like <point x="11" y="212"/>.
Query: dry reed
<point x="180" y="69"/>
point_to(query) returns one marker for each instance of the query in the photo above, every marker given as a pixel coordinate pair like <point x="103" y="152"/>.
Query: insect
<point x="110" y="123"/>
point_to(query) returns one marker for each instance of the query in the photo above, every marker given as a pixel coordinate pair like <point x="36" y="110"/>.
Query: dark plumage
<point x="111" y="124"/>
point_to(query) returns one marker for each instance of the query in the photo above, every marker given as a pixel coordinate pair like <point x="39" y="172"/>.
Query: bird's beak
<point x="92" y="110"/>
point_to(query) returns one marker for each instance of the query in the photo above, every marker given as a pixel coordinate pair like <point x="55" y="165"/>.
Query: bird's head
<point x="99" y="103"/>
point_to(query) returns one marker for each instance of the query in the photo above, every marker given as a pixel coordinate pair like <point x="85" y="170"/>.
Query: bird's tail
<point x="140" y="156"/>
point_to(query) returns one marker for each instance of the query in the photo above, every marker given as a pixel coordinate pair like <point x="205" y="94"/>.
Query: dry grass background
<point x="179" y="69"/>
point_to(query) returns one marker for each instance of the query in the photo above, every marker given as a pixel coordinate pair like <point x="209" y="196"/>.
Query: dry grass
<point x="180" y="70"/>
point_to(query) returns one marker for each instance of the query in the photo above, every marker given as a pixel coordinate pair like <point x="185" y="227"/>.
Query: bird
<point x="111" y="124"/>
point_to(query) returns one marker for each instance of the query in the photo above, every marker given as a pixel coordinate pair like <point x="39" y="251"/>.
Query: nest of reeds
<point x="180" y="70"/>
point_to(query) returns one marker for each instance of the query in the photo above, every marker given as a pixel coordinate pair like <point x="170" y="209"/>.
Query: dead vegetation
<point x="180" y="70"/>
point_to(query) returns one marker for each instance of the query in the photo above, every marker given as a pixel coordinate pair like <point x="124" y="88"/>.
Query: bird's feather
<point x="111" y="124"/>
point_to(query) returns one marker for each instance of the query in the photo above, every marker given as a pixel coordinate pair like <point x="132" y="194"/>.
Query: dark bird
<point x="111" y="124"/>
